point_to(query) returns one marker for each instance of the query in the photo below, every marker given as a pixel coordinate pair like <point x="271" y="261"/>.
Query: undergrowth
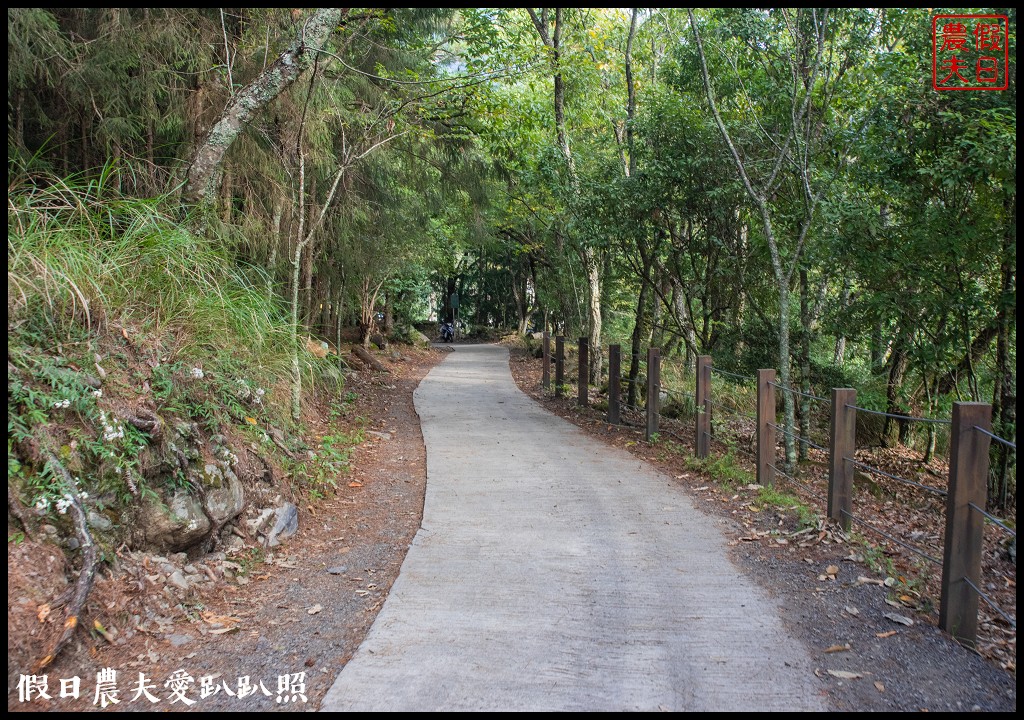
<point x="114" y="304"/>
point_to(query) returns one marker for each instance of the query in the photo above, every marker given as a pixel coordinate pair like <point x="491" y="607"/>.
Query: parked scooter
<point x="447" y="332"/>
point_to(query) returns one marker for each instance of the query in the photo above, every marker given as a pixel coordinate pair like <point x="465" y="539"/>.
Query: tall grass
<point x="80" y="256"/>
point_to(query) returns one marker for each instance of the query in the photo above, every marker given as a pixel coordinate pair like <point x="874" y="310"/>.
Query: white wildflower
<point x="63" y="504"/>
<point x="197" y="373"/>
<point x="43" y="504"/>
<point x="97" y="393"/>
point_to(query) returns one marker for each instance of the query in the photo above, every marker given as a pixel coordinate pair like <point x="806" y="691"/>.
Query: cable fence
<point x="732" y="413"/>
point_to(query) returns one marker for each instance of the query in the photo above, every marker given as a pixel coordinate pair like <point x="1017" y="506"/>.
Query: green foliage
<point x="774" y="497"/>
<point x="723" y="469"/>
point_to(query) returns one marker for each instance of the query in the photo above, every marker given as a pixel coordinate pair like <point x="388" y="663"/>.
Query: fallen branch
<point x="369" y="360"/>
<point x="89" y="562"/>
<point x="18" y="511"/>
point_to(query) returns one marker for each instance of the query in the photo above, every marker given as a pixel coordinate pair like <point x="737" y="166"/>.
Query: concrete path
<point x="553" y="572"/>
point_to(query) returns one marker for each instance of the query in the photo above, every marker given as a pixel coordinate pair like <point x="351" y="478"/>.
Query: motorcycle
<point x="447" y="332"/>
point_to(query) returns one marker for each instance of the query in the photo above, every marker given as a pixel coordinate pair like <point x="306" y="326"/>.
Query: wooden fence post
<point x="559" y="364"/>
<point x="583" y="386"/>
<point x="653" y="390"/>
<point x="702" y="395"/>
<point x="765" y="427"/>
<point x="843" y="444"/>
<point x="961" y="556"/>
<point x="545" y="380"/>
<point x="614" y="388"/>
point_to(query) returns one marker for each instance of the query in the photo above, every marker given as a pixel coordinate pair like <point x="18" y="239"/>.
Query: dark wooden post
<point x="653" y="390"/>
<point x="765" y="427"/>
<point x="614" y="388"/>
<point x="545" y="378"/>
<point x="583" y="386"/>
<point x="559" y="364"/>
<point x="843" y="444"/>
<point x="961" y="556"/>
<point x="702" y="405"/>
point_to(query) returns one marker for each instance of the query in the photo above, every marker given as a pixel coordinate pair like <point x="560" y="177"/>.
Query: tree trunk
<point x="1004" y="392"/>
<point x="896" y="431"/>
<point x="839" y="355"/>
<point x="641" y="332"/>
<point x="203" y="177"/>
<point x="805" y="362"/>
<point x="594" y="308"/>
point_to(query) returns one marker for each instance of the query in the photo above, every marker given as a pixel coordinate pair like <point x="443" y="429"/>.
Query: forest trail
<point x="553" y="572"/>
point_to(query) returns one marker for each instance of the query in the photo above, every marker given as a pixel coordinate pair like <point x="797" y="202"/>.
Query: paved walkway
<point x="553" y="572"/>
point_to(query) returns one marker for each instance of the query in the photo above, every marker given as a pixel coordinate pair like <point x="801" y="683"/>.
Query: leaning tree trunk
<point x="203" y="177"/>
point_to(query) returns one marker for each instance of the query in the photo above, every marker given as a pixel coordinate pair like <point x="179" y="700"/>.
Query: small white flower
<point x="197" y="373"/>
<point x="97" y="393"/>
<point x="63" y="504"/>
<point x="260" y="392"/>
<point x="43" y="504"/>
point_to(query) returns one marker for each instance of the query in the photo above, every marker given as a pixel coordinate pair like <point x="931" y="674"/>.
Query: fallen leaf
<point x="861" y="580"/>
<point x="879" y="686"/>
<point x="315" y="609"/>
<point x="844" y="674"/>
<point x="838" y="648"/>
<point x="43" y="612"/>
<point x="355" y="483"/>
<point x="224" y="631"/>
<point x="887" y="634"/>
<point x="902" y="620"/>
<point x="250" y="420"/>
<point x="124" y="333"/>
<point x="102" y="631"/>
<point x="214" y="619"/>
<point x="832" y="570"/>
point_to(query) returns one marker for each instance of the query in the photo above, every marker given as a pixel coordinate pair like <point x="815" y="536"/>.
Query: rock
<point x="190" y="569"/>
<point x="417" y="338"/>
<point x="48" y="529"/>
<point x="174" y="526"/>
<point x="177" y="640"/>
<point x="234" y="543"/>
<point x="285" y="525"/>
<point x="100" y="522"/>
<point x="377" y="434"/>
<point x="166" y="568"/>
<point x="338" y="569"/>
<point x="259" y="523"/>
<point x="396" y="356"/>
<point x="178" y="580"/>
<point x="228" y="500"/>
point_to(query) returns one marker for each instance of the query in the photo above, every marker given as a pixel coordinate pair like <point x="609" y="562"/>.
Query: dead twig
<point x="89" y="562"/>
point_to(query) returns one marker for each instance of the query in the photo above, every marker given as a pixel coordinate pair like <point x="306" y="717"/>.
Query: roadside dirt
<point x="831" y="599"/>
<point x="305" y="607"/>
<point x="302" y="607"/>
